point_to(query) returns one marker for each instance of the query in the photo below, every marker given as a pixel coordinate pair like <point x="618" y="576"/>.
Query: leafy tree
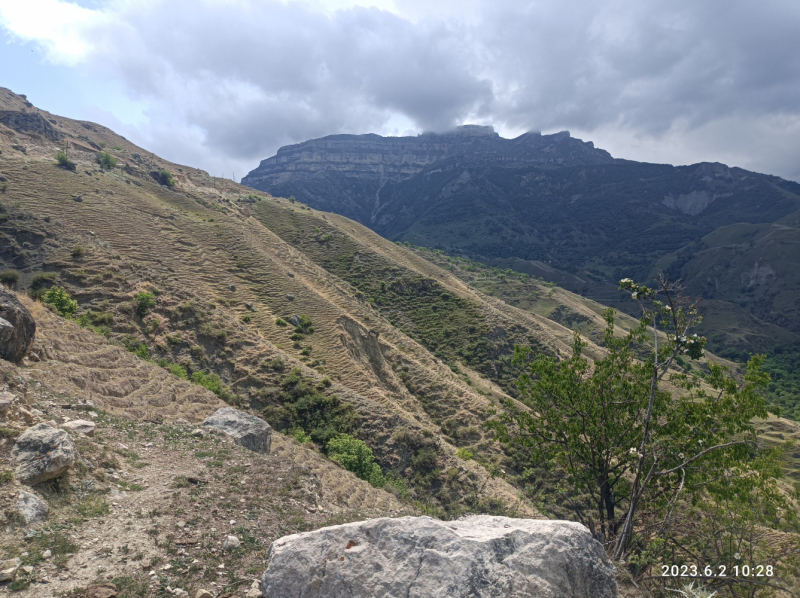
<point x="59" y="298"/>
<point x="354" y="455"/>
<point x="165" y="178"/>
<point x="639" y="450"/>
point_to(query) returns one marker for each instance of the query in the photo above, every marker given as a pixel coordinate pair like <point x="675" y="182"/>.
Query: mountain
<point x="557" y="207"/>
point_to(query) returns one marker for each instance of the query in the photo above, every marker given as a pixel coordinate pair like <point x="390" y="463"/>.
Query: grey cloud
<point x="254" y="76"/>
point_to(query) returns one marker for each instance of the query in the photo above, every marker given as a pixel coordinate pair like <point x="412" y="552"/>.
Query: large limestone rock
<point x="31" y="508"/>
<point x="419" y="557"/>
<point x="43" y="453"/>
<point x="17" y="327"/>
<point x="246" y="430"/>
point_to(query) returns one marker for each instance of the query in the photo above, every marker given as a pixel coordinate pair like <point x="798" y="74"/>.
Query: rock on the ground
<point x="203" y="594"/>
<point x="246" y="430"/>
<point x="81" y="426"/>
<point x="42" y="453"/>
<point x="101" y="590"/>
<point x="6" y="400"/>
<point x="31" y="508"/>
<point x="17" y="327"/>
<point x="231" y="542"/>
<point x="416" y="557"/>
<point x="9" y="568"/>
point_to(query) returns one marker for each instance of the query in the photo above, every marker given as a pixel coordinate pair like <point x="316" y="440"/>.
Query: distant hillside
<point x="557" y="207"/>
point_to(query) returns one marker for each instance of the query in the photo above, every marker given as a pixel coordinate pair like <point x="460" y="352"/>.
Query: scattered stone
<point x="101" y="590"/>
<point x="231" y="542"/>
<point x="479" y="556"/>
<point x="26" y="415"/>
<point x="291" y="274"/>
<point x="198" y="433"/>
<point x="81" y="426"/>
<point x="6" y="399"/>
<point x="43" y="453"/>
<point x="290" y="297"/>
<point x="31" y="508"/>
<point x="78" y="198"/>
<point x="233" y="287"/>
<point x="17" y="327"/>
<point x="47" y="554"/>
<point x="9" y="568"/>
<point x="34" y="357"/>
<point x="294" y="320"/>
<point x="246" y="430"/>
<point x="203" y="594"/>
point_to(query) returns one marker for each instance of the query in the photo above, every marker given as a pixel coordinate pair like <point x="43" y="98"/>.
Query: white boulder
<point x="81" y="426"/>
<point x="31" y="508"/>
<point x="419" y="557"/>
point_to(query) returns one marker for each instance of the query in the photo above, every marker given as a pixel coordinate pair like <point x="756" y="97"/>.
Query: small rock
<point x="43" y="453"/>
<point x="8" y="569"/>
<point x="290" y="297"/>
<point x="203" y="594"/>
<point x="101" y="590"/>
<point x="231" y="542"/>
<point x="253" y="593"/>
<point x="47" y="554"/>
<point x="81" y="426"/>
<point x="31" y="508"/>
<point x="294" y="320"/>
<point x="197" y="432"/>
<point x="78" y="198"/>
<point x="291" y="274"/>
<point x="27" y="569"/>
<point x="233" y="287"/>
<point x="6" y="399"/>
<point x="26" y="415"/>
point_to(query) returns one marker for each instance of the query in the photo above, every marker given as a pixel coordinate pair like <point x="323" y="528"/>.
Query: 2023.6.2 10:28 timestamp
<point x="717" y="571"/>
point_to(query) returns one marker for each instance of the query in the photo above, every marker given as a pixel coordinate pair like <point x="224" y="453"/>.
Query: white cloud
<point x="229" y="81"/>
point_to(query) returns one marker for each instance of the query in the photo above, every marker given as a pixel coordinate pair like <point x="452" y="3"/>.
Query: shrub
<point x="354" y="455"/>
<point x="214" y="383"/>
<point x="78" y="251"/>
<point x="246" y="318"/>
<point x="175" y="368"/>
<point x="304" y="327"/>
<point x="145" y="301"/>
<point x="59" y="298"/>
<point x="10" y="278"/>
<point x="165" y="178"/>
<point x="281" y="322"/>
<point x="292" y="199"/>
<point x="106" y="161"/>
<point x="464" y="454"/>
<point x="64" y="161"/>
<point x="43" y="279"/>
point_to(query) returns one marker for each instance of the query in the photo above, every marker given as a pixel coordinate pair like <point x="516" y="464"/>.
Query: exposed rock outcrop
<point x="17" y="327"/>
<point x="479" y="556"/>
<point x="246" y="430"/>
<point x="43" y="453"/>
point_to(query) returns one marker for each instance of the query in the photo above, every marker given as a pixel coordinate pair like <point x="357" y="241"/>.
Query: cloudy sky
<point x="221" y="84"/>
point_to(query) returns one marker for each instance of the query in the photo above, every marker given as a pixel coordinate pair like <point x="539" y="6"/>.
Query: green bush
<point x="303" y="406"/>
<point x="145" y="301"/>
<point x="214" y="383"/>
<point x="64" y="161"/>
<point x="78" y="251"/>
<point x="165" y="178"/>
<point x="174" y="368"/>
<point x="59" y="298"/>
<point x="9" y="278"/>
<point x="106" y="161"/>
<point x="304" y="327"/>
<point x="354" y="455"/>
<point x="281" y="322"/>
<point x="464" y="454"/>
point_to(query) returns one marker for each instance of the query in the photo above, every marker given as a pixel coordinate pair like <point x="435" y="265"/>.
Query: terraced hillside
<point x="224" y="285"/>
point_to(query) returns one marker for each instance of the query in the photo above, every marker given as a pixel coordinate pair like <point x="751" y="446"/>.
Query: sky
<point x="222" y="84"/>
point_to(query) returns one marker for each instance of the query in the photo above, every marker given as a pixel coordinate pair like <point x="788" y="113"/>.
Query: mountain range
<point x="559" y="208"/>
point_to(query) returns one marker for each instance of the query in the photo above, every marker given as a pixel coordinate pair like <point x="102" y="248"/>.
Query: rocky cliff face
<point x="346" y="173"/>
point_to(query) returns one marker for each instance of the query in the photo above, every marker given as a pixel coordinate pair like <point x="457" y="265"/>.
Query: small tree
<point x="354" y="455"/>
<point x="145" y="301"/>
<point x="165" y="178"/>
<point x="626" y="442"/>
<point x="59" y="298"/>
